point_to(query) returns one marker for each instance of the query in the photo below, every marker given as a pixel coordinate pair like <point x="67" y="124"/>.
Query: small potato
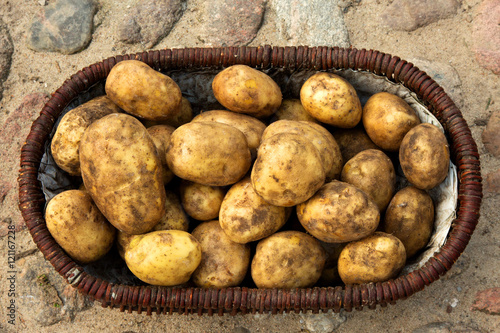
<point x="175" y="218"/>
<point x="339" y="213"/>
<point x="184" y="116"/>
<point x="410" y="217"/>
<point x="224" y="263"/>
<point x="425" y="156"/>
<point x="352" y="141"/>
<point x="331" y="99"/>
<point x="376" y="258"/>
<point x="292" y="109"/>
<point x="288" y="259"/>
<point x="66" y="141"/>
<point x="288" y="170"/>
<point x="143" y="92"/>
<point x="387" y="118"/>
<point x="246" y="217"/>
<point x="372" y="171"/>
<point x="201" y="202"/>
<point x="163" y="258"/>
<point x="78" y="226"/>
<point x="161" y="137"/>
<point x="243" y="89"/>
<point x="211" y="153"/>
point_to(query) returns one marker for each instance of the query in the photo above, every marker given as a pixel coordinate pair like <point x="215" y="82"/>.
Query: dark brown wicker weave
<point x="247" y="300"/>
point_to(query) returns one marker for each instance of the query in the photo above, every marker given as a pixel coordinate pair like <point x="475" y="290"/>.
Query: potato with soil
<point x="410" y="217"/>
<point x="201" y="202"/>
<point x="288" y="170"/>
<point x="246" y="217"/>
<point x="209" y="153"/>
<point x="161" y="138"/>
<point x="331" y="99"/>
<point x="372" y="171"/>
<point x="175" y="217"/>
<point x="376" y="258"/>
<point x="243" y="89"/>
<point x="143" y="92"/>
<point x="288" y="259"/>
<point x="184" y="116"/>
<point x="163" y="258"/>
<point x="387" y="118"/>
<point x="224" y="263"/>
<point x="425" y="156"/>
<point x="66" y="141"/>
<point x="338" y="213"/>
<point x="352" y="141"/>
<point x="78" y="226"/>
<point x="292" y="109"/>
<point x="122" y="172"/>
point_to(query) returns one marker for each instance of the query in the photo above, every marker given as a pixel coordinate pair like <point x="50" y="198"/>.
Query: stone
<point x="74" y="302"/>
<point x="323" y="322"/>
<point x="486" y="35"/>
<point x="63" y="26"/>
<point x="492" y="183"/>
<point x="437" y="327"/>
<point x="312" y="23"/>
<point x="6" y="50"/>
<point x="487" y="301"/>
<point x="149" y="21"/>
<point x="490" y="136"/>
<point x="411" y="15"/>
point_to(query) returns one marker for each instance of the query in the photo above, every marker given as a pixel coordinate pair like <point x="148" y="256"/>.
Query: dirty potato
<point x="352" y="141"/>
<point x="201" y="202"/>
<point x="184" y="116"/>
<point x="292" y="109"/>
<point x="161" y="137"/>
<point x="175" y="218"/>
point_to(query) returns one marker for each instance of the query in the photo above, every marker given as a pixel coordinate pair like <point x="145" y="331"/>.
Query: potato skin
<point x="143" y="92"/>
<point x="224" y="263"/>
<point x="376" y="258"/>
<point x="287" y="259"/>
<point x="66" y="141"/>
<point x="352" y="141"/>
<point x="175" y="218"/>
<point x="425" y="156"/>
<point x="184" y="116"/>
<point x="122" y="172"/>
<point x="201" y="202"/>
<point x="243" y="89"/>
<point x="339" y="212"/>
<point x="209" y="153"/>
<point x="160" y="134"/>
<point x="78" y="226"/>
<point x="292" y="109"/>
<point x="410" y="217"/>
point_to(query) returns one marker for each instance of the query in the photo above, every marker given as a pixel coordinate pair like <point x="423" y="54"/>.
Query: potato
<point x="288" y="259"/>
<point x="184" y="116"/>
<point x="123" y="241"/>
<point x="330" y="274"/>
<point x="122" y="172"/>
<point x="66" y="141"/>
<point x="424" y="156"/>
<point x="339" y="213"/>
<point x="246" y="217"/>
<point x="212" y="153"/>
<point x="163" y="258"/>
<point x="331" y="99"/>
<point x="387" y="118"/>
<point x="201" y="202"/>
<point x="410" y="217"/>
<point x="250" y="126"/>
<point x="78" y="226"/>
<point x="288" y="170"/>
<point x="372" y="171"/>
<point x="143" y="92"/>
<point x="376" y="258"/>
<point x="292" y="109"/>
<point x="224" y="263"/>
<point x="161" y="137"/>
<point x="243" y="89"/>
<point x="175" y="218"/>
<point x="352" y="141"/>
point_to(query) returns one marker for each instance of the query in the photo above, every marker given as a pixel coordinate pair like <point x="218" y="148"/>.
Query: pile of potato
<point x="293" y="190"/>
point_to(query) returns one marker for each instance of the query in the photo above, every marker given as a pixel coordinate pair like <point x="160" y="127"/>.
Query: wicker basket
<point x="150" y="299"/>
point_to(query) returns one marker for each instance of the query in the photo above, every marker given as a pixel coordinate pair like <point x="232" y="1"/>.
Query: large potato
<point x="339" y="213"/>
<point x="376" y="258"/>
<point x="331" y="99"/>
<point x="292" y="109"/>
<point x="224" y="263"/>
<point x="201" y="202"/>
<point x="78" y="226"/>
<point x="163" y="258"/>
<point x="288" y="170"/>
<point x="352" y="141"/>
<point x="244" y="89"/>
<point x="288" y="259"/>
<point x="122" y="172"/>
<point x="245" y="216"/>
<point x="425" y="156"/>
<point x="143" y="92"/>
<point x="66" y="141"/>
<point x="175" y="218"/>
<point x="209" y="153"/>
<point x="161" y="137"/>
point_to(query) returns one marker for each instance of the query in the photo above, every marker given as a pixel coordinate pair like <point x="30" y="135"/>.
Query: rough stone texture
<point x="74" y="302"/>
<point x="487" y="301"/>
<point x="492" y="183"/>
<point x="410" y="15"/>
<point x="64" y="26"/>
<point x="323" y="322"/>
<point x="149" y="21"/>
<point x="438" y="327"/>
<point x="297" y="27"/>
<point x="491" y="135"/>
<point x="6" y="49"/>
<point x="486" y="35"/>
